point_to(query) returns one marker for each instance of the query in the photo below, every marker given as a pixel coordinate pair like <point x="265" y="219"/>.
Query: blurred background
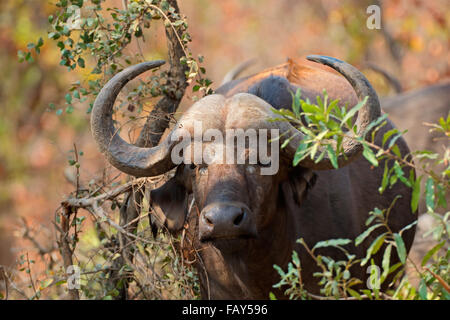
<point x="36" y="142"/>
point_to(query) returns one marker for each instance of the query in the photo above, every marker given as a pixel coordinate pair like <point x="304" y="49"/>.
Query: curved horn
<point x="126" y="157"/>
<point x="370" y="112"/>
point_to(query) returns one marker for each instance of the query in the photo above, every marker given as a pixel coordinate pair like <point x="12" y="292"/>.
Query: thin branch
<point x="29" y="274"/>
<point x="439" y="278"/>
<point x="12" y="284"/>
<point x="109" y="195"/>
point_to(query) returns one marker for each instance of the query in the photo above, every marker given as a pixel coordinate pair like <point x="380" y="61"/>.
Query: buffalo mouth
<point x="234" y="246"/>
<point x="225" y="238"/>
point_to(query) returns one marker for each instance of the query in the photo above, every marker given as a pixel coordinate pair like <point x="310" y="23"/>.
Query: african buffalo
<point x="244" y="222"/>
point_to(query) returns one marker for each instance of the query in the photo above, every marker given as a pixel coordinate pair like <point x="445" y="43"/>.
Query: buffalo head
<point x="235" y="199"/>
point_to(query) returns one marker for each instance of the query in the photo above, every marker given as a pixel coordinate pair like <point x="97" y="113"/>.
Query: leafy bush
<point x="325" y="125"/>
<point x="117" y="259"/>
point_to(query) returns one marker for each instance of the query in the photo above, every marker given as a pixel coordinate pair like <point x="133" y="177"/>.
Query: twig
<point x="171" y="24"/>
<point x="27" y="235"/>
<point x="109" y="195"/>
<point x="11" y="283"/>
<point x="438" y="278"/>
<point x="98" y="212"/>
<point x="29" y="274"/>
<point x="77" y="166"/>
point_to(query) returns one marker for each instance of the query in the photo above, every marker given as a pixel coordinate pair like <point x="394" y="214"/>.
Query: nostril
<point x="239" y="218"/>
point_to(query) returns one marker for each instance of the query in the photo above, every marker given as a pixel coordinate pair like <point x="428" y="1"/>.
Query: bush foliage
<point x="325" y="126"/>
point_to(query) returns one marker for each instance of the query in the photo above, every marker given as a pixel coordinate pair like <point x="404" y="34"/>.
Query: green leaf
<point x="68" y="98"/>
<point x="320" y="157"/>
<point x="296" y="102"/>
<point x="332" y="243"/>
<point x="441" y="193"/>
<point x="314" y="150"/>
<point x="386" y="262"/>
<point x="395" y="267"/>
<point x="311" y="108"/>
<point x="429" y="194"/>
<point x="370" y="219"/>
<point x="395" y="149"/>
<point x="385" y="181"/>
<point x="332" y="156"/>
<point x="401" y="250"/>
<point x="76" y="94"/>
<point x="272" y="296"/>
<point x="40" y="42"/>
<point x="301" y="153"/>
<point x="397" y="136"/>
<point x="370" y="156"/>
<point x="165" y="5"/>
<point x="21" y="55"/>
<point x="46" y="283"/>
<point x="431" y="252"/>
<point x="415" y="195"/>
<point x="28" y="57"/>
<point x="354" y="293"/>
<point x="69" y="109"/>
<point x="400" y="174"/>
<point x="376" y="124"/>
<point x="354" y="110"/>
<point x="346" y="275"/>
<point x="81" y="63"/>
<point x="285" y="143"/>
<point x="393" y="179"/>
<point x="387" y="135"/>
<point x="365" y="234"/>
<point x="422" y="289"/>
<point x="374" y="247"/>
<point x="420" y="154"/>
<point x="409" y="226"/>
<point x="279" y="270"/>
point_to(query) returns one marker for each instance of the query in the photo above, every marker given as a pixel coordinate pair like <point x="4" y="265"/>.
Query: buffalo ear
<point x="170" y="204"/>
<point x="297" y="186"/>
